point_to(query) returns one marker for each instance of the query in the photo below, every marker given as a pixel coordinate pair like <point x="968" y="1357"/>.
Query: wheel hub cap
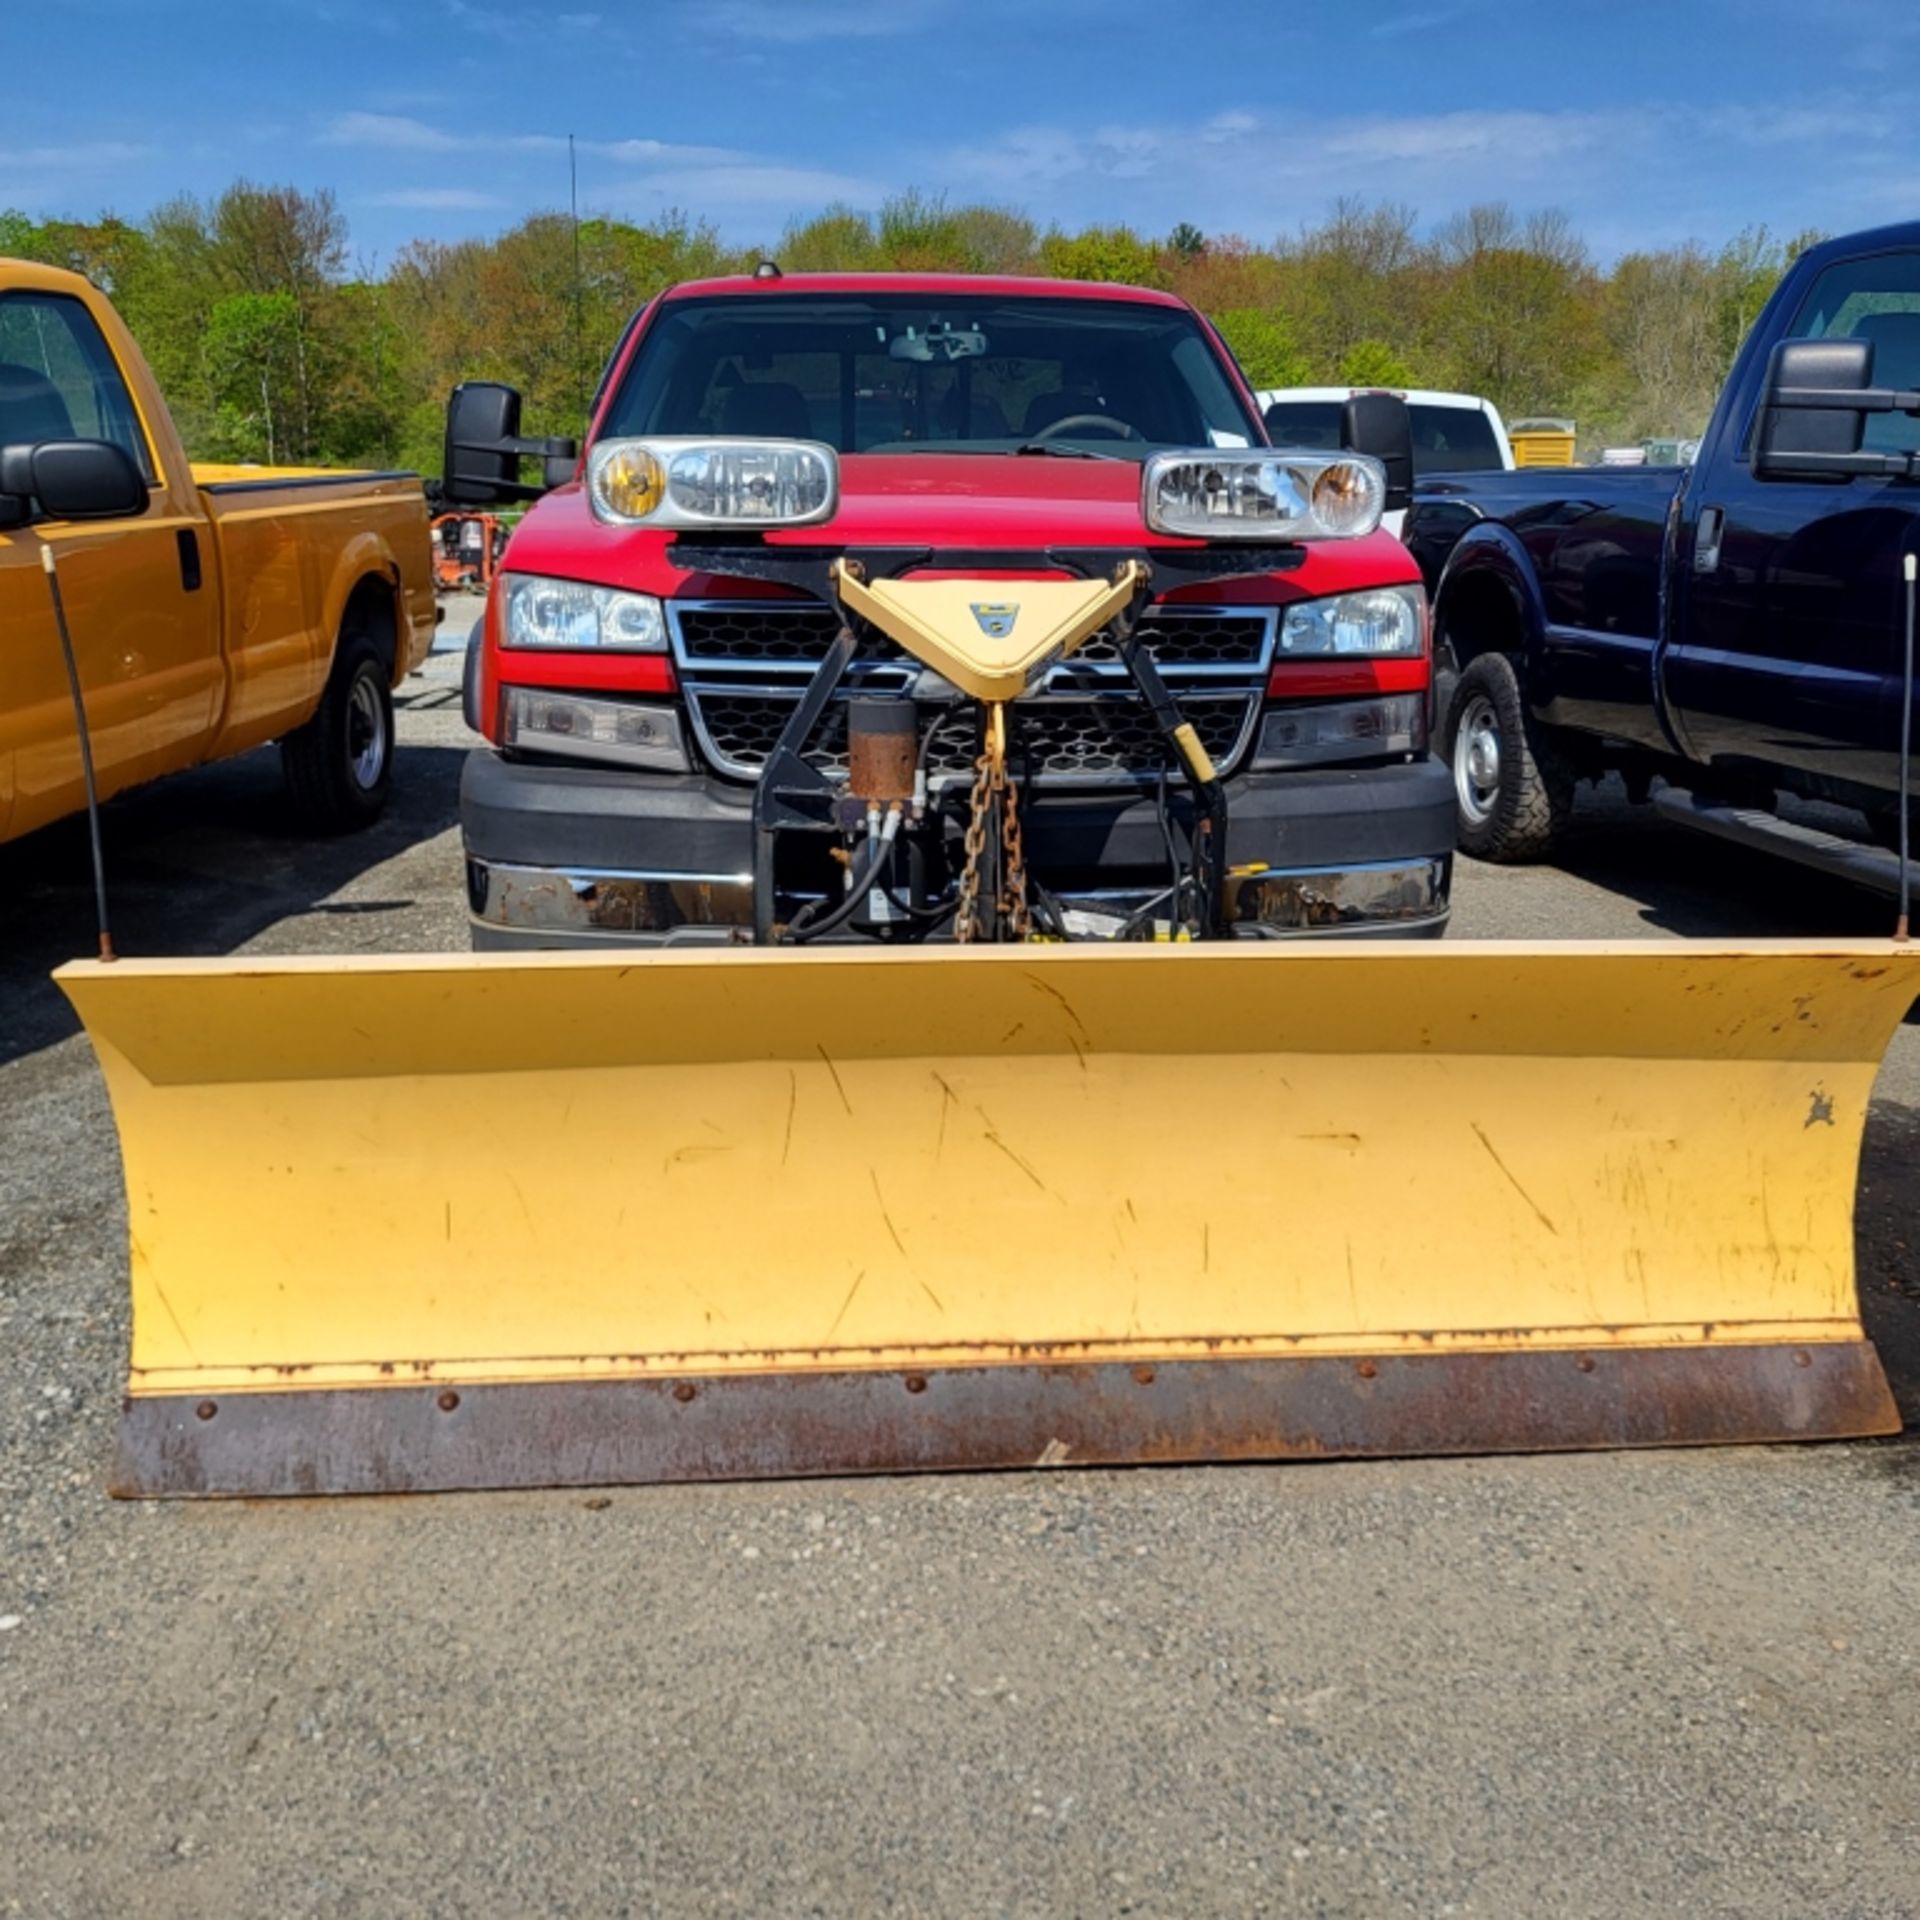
<point x="366" y="734"/>
<point x="1476" y="760"/>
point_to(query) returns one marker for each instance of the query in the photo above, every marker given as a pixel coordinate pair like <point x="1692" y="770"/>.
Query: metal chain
<point x="992" y="789"/>
<point x="966" y="922"/>
<point x="1019" y="911"/>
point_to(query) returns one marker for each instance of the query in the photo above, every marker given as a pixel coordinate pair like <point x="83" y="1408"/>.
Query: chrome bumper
<point x="520" y="904"/>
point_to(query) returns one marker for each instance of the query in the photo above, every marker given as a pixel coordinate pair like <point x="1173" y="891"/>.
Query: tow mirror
<point x="1813" y="414"/>
<point x="1379" y="424"/>
<point x="70" y="480"/>
<point x="1789" y="434"/>
<point x="484" y="448"/>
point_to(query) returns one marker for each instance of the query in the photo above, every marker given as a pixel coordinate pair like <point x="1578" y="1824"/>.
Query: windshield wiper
<point x="1061" y="450"/>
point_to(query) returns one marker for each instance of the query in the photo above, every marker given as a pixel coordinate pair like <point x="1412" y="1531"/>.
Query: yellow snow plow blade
<point x="438" y="1221"/>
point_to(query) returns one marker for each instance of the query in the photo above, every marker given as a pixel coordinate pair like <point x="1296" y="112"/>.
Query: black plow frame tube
<point x="440" y="1437"/>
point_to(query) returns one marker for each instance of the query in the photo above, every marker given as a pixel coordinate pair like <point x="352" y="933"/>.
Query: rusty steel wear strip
<point x="765" y="1426"/>
<point x="481" y="1171"/>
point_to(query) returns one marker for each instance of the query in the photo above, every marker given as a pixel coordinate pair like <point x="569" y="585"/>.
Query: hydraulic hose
<point x="870" y="860"/>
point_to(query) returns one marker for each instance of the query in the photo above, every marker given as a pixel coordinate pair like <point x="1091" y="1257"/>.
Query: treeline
<point x="272" y="347"/>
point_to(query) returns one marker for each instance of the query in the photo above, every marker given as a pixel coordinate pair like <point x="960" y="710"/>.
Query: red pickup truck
<point x="673" y="689"/>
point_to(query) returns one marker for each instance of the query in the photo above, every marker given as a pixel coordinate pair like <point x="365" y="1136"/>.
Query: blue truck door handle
<point x="1706" y="539"/>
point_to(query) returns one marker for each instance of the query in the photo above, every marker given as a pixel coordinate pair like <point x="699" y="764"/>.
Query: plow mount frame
<point x="793" y="796"/>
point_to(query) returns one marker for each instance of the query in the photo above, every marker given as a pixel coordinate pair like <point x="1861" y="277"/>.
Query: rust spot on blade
<point x="1820" y="1113"/>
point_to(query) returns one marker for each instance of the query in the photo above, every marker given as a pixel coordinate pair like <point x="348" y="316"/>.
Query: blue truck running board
<point x="1866" y="866"/>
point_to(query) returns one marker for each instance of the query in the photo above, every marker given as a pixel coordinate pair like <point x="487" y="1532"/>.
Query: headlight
<point x="1383" y="620"/>
<point x="1263" y="494"/>
<point x="569" y="613"/>
<point x="688" y="483"/>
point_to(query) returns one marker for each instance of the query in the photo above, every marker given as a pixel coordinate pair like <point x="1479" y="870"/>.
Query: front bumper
<point x="572" y="856"/>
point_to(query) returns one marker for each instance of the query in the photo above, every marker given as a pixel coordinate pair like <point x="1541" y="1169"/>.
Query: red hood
<point x="966" y="501"/>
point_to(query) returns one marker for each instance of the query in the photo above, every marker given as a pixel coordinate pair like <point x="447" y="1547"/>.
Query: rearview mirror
<point x="71" y="480"/>
<point x="1379" y="424"/>
<point x="484" y="448"/>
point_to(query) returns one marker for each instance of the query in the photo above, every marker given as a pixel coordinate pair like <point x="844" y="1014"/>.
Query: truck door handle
<point x="1706" y="539"/>
<point x="189" y="544"/>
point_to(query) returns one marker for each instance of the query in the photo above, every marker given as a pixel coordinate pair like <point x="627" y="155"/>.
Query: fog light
<point x="1342" y="730"/>
<point x="616" y="732"/>
<point x="628" y="481"/>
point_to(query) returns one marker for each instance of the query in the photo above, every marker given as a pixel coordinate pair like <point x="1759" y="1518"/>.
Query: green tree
<point x="252" y="353"/>
<point x="1516" y="317"/>
<point x="1264" y="345"/>
<point x="1102" y="253"/>
<point x="841" y="240"/>
<point x="1360" y="275"/>
<point x="1372" y="363"/>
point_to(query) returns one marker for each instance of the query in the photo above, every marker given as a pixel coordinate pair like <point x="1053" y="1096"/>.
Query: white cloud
<point x="1518" y="137"/>
<point x="1634" y="175"/>
<point x="35" y="179"/>
<point x="662" y="153"/>
<point x="1395" y="25"/>
<point x="765" y="187"/>
<point x="401" y="133"/>
<point x="74" y="156"/>
<point x="397" y="131"/>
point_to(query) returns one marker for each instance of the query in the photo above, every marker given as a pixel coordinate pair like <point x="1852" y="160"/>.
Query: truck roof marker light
<point x="708" y="481"/>
<point x="767" y="270"/>
<point x="1263" y="494"/>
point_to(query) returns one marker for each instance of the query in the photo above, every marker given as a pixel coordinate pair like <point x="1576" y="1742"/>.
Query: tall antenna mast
<point x="579" y="312"/>
<point x="86" y="748"/>
<point x="1910" y="566"/>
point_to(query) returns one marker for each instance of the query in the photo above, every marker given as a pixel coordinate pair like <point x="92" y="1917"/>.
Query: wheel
<point x="339" y="766"/>
<point x="1513" y="787"/>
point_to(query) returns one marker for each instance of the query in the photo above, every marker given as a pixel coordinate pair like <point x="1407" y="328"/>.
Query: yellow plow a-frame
<point x="481" y="1221"/>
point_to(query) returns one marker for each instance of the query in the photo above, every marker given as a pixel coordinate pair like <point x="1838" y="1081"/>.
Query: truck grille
<point x="745" y="664"/>
<point x="741" y="633"/>
<point x="1065" y="741"/>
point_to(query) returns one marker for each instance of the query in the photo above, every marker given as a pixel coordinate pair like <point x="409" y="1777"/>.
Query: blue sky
<point x="1648" y="121"/>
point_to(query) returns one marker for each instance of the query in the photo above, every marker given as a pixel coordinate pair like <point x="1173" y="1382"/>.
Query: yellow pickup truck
<point x="212" y="609"/>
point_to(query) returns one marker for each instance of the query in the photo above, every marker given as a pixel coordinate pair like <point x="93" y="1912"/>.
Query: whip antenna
<point x="86" y="748"/>
<point x="1912" y="565"/>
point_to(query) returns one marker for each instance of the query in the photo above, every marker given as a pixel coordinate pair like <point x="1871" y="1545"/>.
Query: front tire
<point x="339" y="766"/>
<point x="1513" y="786"/>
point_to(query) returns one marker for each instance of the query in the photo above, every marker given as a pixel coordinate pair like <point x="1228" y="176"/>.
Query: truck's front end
<point x="896" y="610"/>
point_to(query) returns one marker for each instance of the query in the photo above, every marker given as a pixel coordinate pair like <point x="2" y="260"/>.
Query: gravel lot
<point x="1628" y="1684"/>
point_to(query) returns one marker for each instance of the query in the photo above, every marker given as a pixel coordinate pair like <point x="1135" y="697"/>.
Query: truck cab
<point x="635" y="680"/>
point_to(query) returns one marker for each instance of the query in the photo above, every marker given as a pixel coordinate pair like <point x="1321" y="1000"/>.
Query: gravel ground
<point x="1603" y="1684"/>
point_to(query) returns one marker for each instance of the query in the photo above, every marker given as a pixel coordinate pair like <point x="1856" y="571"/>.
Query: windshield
<point x="890" y="373"/>
<point x="1445" y="439"/>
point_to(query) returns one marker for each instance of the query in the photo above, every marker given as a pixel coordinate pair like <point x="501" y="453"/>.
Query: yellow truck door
<point x="141" y="596"/>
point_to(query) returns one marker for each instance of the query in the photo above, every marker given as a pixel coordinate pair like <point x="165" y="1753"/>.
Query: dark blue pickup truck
<point x="1737" y="628"/>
